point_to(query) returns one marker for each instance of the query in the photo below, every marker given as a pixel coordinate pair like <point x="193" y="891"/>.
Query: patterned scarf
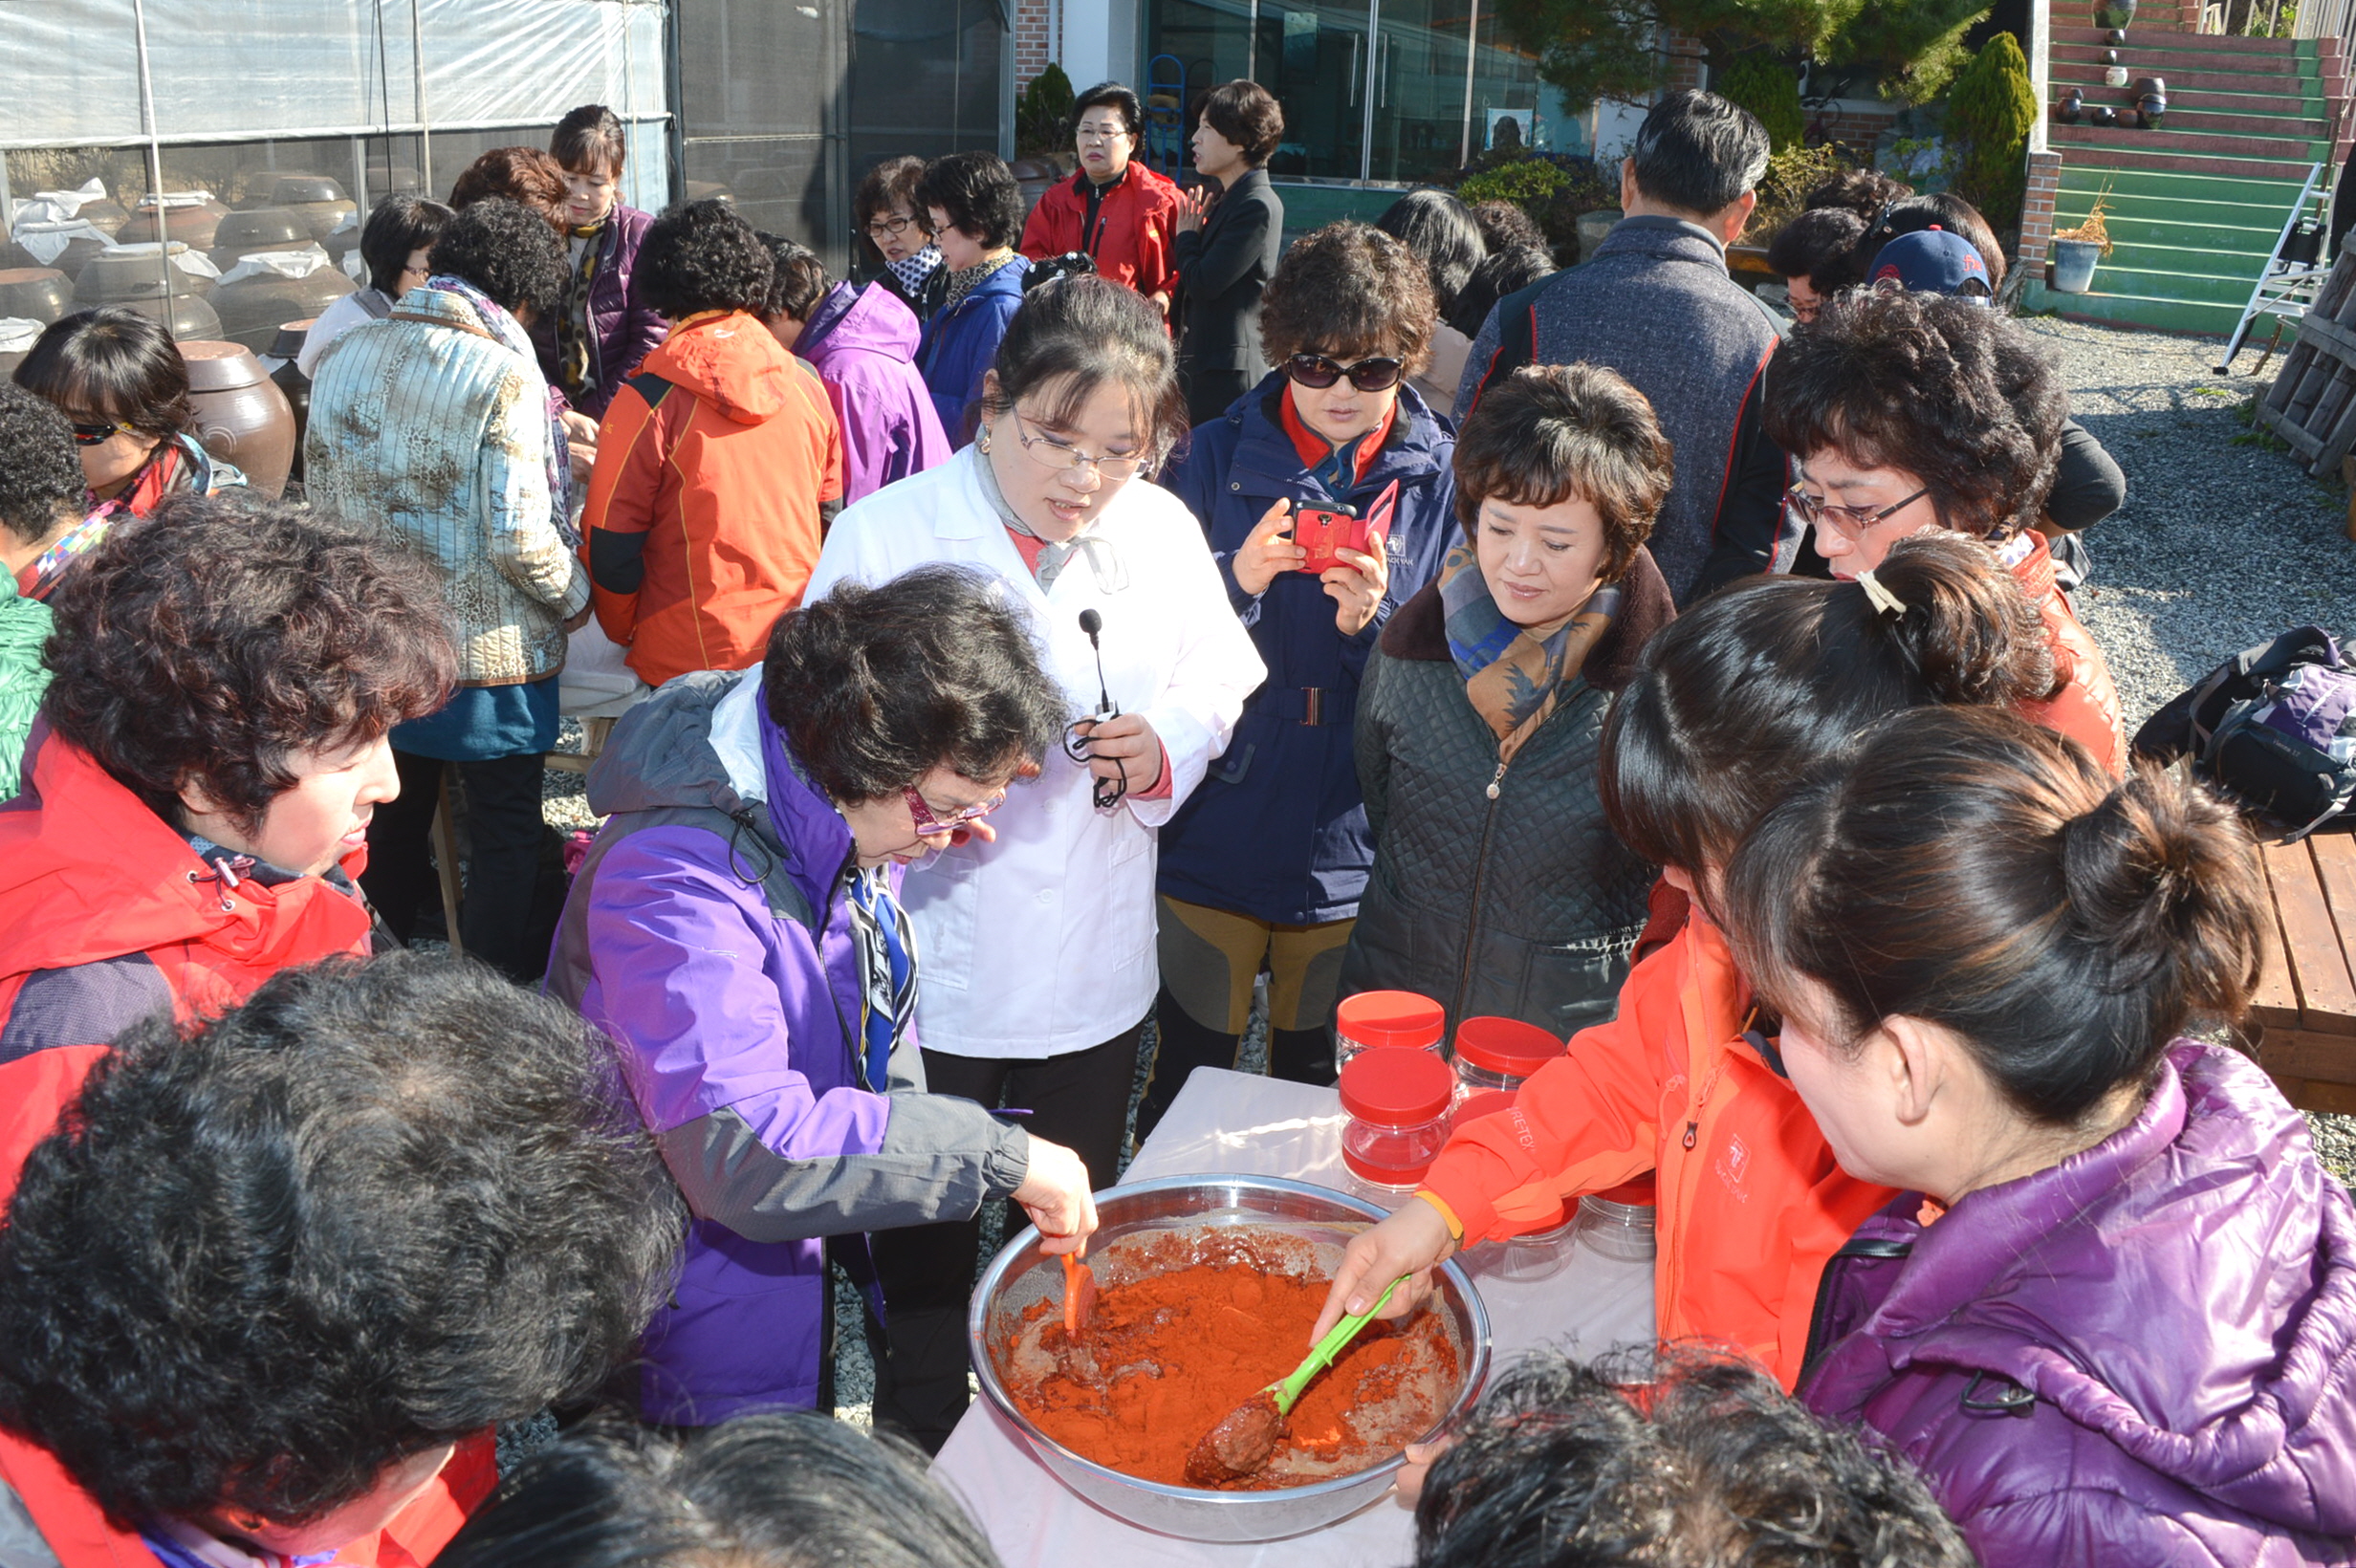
<point x="1513" y="674"/>
<point x="964" y="283"/>
<point x="573" y="333"/>
<point x="144" y="492"/>
<point x="496" y="323"/>
<point x="913" y="271"/>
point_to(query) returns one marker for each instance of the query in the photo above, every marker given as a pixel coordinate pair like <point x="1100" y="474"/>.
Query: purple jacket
<point x="863" y="343"/>
<point x="2145" y="1355"/>
<point x="709" y="932"/>
<point x="622" y="331"/>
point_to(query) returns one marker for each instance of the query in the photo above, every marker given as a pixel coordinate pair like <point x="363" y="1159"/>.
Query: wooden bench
<point x="2305" y="1021"/>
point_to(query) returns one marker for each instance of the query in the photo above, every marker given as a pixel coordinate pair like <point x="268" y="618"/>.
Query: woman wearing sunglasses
<point x="1909" y="411"/>
<point x="1264" y="865"/>
<point x="1039" y="945"/>
<point x="737" y="928"/>
<point x="120" y="383"/>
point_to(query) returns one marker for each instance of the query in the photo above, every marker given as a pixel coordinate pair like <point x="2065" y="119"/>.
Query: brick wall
<point x="2037" y="208"/>
<point x="1033" y="48"/>
<point x="1684" y="60"/>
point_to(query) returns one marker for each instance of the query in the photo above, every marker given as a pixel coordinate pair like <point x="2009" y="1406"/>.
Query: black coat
<point x="1222" y="267"/>
<point x="1522" y="906"/>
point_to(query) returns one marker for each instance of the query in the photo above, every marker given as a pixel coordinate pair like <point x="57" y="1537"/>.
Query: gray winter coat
<point x="1525" y="907"/>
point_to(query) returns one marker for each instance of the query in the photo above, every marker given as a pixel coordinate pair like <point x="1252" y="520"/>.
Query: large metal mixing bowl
<point x="1020" y="1277"/>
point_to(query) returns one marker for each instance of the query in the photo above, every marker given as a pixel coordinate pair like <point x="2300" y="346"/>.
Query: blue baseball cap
<point x="1933" y="261"/>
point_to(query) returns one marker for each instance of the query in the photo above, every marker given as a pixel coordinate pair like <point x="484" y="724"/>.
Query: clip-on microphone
<point x="1108" y="792"/>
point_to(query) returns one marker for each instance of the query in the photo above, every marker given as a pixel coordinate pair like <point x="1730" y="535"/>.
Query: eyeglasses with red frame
<point x="928" y="823"/>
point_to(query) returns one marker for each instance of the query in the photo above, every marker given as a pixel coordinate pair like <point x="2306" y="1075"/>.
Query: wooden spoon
<point x="1241" y="1443"/>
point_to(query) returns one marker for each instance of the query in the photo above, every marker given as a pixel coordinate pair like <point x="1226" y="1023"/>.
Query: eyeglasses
<point x="1065" y="457"/>
<point x="1101" y="133"/>
<point x="884" y="228"/>
<point x="928" y="823"/>
<point x="1852" y="521"/>
<point x="98" y="433"/>
<point x="1314" y="370"/>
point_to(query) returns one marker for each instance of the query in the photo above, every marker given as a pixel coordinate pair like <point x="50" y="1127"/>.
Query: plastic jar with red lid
<point x="1398" y="1103"/>
<point x="1374" y="1018"/>
<point x="1500" y="1053"/>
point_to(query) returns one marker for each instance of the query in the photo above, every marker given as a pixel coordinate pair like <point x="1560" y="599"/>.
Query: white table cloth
<point x="1241" y="1124"/>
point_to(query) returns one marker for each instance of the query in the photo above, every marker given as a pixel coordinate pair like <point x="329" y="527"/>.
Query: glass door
<point x="1315" y="58"/>
<point x="1419" y="83"/>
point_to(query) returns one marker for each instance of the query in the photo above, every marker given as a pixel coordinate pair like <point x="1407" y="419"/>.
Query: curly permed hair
<point x="40" y="474"/>
<point x="702" y="256"/>
<point x="798" y="278"/>
<point x="227" y="636"/>
<point x="503" y="249"/>
<point x="379" y="1208"/>
<point x="521" y="174"/>
<point x="874" y="688"/>
<point x="1941" y="388"/>
<point x="1552" y="433"/>
<point x="1683" y="1458"/>
<point x="1349" y="291"/>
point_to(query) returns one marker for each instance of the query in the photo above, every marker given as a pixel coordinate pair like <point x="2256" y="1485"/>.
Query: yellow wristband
<point x="1455" y="1225"/>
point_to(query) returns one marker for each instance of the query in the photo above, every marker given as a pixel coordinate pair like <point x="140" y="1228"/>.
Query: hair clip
<point x="1882" y="598"/>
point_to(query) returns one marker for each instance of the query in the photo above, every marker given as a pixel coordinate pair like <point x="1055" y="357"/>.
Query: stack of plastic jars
<point x="1374" y="1018"/>
<point x="1534" y="1254"/>
<point x="1500" y="1053"/>
<point x="1617" y="1222"/>
<point x="1398" y="1103"/>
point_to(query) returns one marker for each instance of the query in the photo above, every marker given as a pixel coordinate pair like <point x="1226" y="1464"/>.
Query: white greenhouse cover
<point x="240" y="70"/>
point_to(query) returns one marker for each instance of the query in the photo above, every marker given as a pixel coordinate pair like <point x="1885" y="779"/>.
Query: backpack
<point x="2274" y="728"/>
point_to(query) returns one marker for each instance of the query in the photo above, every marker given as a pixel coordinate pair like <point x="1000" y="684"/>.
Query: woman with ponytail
<point x="1729" y="706"/>
<point x="2129" y="1337"/>
<point x="737" y="929"/>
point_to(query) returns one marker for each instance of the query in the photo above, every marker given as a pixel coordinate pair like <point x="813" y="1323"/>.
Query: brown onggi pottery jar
<point x="252" y="309"/>
<point x="262" y="229"/>
<point x="193" y="225"/>
<point x="315" y="198"/>
<point x="37" y="294"/>
<point x="241" y="416"/>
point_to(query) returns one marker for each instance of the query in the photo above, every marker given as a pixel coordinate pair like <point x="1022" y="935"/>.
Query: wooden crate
<point x="2303" y="1025"/>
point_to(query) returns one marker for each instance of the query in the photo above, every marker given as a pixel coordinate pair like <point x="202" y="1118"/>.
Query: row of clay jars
<point x="139" y="282"/>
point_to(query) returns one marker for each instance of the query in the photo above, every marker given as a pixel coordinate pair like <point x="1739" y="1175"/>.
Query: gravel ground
<point x="2223" y="542"/>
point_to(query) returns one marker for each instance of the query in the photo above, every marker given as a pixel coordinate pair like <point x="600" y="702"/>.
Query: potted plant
<point x="2076" y="250"/>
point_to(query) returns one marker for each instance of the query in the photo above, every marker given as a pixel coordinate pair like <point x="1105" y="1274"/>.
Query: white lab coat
<point x="1042" y="943"/>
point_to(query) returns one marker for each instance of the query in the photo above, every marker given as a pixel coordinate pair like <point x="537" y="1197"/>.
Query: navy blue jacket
<point x="1278" y="830"/>
<point x="962" y="342"/>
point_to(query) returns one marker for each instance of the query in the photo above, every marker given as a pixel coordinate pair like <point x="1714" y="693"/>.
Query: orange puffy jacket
<point x="703" y="520"/>
<point x="1752" y="1202"/>
<point x="33" y="1091"/>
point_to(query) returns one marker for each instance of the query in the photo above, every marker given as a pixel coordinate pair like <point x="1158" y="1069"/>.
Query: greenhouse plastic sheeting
<point x="239" y="69"/>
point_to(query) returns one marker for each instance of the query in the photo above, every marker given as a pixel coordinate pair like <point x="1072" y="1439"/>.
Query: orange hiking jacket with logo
<point x="1752" y="1202"/>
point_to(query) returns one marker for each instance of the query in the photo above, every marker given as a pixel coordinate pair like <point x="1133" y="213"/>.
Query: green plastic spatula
<point x="1241" y="1443"/>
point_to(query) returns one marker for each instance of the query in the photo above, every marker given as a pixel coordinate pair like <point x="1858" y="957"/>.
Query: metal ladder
<point x="1165" y="123"/>
<point x="2285" y="289"/>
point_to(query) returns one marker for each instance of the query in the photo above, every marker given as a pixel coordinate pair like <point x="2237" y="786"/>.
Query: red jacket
<point x="703" y="520"/>
<point x="2087" y="707"/>
<point x="1136" y="223"/>
<point x="33" y="1091"/>
<point x="106" y="914"/>
<point x="1752" y="1203"/>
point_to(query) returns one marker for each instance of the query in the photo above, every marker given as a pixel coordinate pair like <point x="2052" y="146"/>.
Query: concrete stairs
<point x="2195" y="206"/>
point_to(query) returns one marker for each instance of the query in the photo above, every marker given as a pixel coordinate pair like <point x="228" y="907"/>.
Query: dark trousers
<point x="1080" y="1100"/>
<point x="503" y="836"/>
<point x="1298" y="1056"/>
